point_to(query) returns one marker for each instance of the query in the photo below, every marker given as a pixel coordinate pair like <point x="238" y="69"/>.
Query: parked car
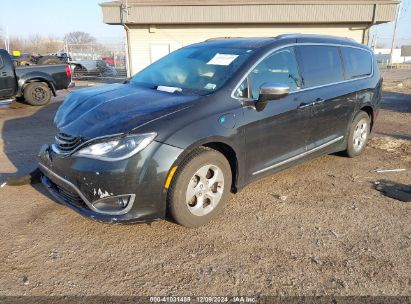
<point x="62" y="56"/>
<point x="92" y="68"/>
<point x="205" y="121"/>
<point x="35" y="83"/>
<point x="110" y="61"/>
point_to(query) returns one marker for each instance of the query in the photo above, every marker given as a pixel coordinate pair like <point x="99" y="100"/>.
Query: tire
<point x="79" y="71"/>
<point x="207" y="200"/>
<point x="358" y="134"/>
<point x="37" y="94"/>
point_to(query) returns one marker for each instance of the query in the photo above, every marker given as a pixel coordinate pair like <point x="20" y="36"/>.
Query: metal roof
<point x="239" y="2"/>
<point x="250" y="11"/>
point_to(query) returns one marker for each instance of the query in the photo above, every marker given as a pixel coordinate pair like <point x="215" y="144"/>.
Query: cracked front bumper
<point x="80" y="183"/>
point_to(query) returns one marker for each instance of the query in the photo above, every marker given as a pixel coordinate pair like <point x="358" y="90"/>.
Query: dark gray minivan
<point x="178" y="137"/>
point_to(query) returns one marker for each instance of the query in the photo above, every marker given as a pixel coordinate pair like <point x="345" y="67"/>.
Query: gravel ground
<point x="316" y="229"/>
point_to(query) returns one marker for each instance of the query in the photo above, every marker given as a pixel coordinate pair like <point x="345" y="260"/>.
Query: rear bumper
<point x="81" y="183"/>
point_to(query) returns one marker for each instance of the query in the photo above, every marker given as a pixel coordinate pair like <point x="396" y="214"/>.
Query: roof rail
<point x="290" y="35"/>
<point x="222" y="38"/>
<point x="299" y="35"/>
<point x="283" y="36"/>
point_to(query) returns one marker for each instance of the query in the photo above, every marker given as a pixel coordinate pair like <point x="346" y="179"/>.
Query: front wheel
<point x="200" y="188"/>
<point x="358" y="134"/>
<point x="37" y="93"/>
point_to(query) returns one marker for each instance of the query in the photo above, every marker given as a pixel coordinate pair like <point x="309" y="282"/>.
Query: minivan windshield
<point x="196" y="70"/>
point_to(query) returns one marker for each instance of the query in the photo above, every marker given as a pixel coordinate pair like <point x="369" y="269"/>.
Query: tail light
<point x="68" y="71"/>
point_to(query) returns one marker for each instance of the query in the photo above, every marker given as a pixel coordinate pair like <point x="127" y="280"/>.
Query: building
<point x="156" y="27"/>
<point x="383" y="56"/>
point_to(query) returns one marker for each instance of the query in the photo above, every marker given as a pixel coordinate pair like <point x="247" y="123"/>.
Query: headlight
<point x="118" y="149"/>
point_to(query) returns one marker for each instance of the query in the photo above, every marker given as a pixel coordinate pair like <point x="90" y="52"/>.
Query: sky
<point x="57" y="17"/>
<point x="383" y="32"/>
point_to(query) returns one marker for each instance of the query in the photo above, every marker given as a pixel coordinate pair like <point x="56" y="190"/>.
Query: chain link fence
<point x="97" y="61"/>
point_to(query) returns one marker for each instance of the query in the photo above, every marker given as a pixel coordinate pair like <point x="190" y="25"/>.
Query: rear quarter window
<point x="321" y="65"/>
<point x="358" y="63"/>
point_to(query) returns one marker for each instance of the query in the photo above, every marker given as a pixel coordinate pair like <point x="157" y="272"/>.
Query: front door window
<point x="280" y="67"/>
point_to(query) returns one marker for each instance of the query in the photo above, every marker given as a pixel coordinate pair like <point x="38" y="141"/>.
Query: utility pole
<point x="374" y="40"/>
<point x="395" y="32"/>
<point x="7" y="40"/>
<point x="124" y="13"/>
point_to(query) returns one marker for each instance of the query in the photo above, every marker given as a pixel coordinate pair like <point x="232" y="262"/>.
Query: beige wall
<point x="177" y="36"/>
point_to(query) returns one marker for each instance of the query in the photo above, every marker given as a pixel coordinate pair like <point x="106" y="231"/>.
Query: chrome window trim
<point x="312" y="88"/>
<point x="86" y="201"/>
<point x="299" y="155"/>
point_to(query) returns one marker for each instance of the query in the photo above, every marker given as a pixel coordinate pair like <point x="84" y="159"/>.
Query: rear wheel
<point x="359" y="133"/>
<point x="200" y="188"/>
<point x="37" y="93"/>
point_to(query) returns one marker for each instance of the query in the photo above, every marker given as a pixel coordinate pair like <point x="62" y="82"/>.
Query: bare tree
<point x="78" y="38"/>
<point x="36" y="45"/>
<point x="2" y="39"/>
<point x="53" y="45"/>
<point x="80" y="43"/>
<point x="17" y="44"/>
<point x="381" y="45"/>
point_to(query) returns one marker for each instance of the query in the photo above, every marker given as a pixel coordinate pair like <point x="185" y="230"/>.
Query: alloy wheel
<point x="360" y="135"/>
<point x="205" y="190"/>
<point x="39" y="94"/>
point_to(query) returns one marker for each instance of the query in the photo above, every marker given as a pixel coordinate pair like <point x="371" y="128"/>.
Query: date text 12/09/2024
<point x="204" y="299"/>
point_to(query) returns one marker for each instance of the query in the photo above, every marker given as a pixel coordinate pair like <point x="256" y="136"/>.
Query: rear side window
<point x="358" y="63"/>
<point x="321" y="65"/>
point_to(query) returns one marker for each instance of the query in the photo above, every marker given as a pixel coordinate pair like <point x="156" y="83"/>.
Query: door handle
<point x="305" y="105"/>
<point x="318" y="101"/>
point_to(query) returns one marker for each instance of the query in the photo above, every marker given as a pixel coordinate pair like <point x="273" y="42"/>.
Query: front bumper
<point x="79" y="183"/>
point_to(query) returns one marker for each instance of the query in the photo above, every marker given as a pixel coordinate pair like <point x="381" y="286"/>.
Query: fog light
<point x="123" y="201"/>
<point x="113" y="203"/>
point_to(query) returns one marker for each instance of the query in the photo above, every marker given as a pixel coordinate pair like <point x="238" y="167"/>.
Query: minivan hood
<point x="115" y="109"/>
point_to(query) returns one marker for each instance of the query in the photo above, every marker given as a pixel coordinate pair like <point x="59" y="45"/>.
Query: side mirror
<point x="273" y="91"/>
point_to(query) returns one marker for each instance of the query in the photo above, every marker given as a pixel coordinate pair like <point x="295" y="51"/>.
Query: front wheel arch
<point x="176" y="201"/>
<point x="221" y="146"/>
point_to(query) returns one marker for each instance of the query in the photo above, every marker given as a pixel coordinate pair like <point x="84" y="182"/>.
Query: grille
<point x="67" y="196"/>
<point x="71" y="198"/>
<point x="66" y="144"/>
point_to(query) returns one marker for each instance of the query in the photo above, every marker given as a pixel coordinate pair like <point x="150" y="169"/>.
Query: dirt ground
<point x="316" y="229"/>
